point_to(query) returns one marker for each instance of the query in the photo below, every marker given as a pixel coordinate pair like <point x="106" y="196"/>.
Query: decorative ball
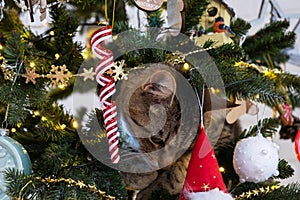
<point x="255" y="159"/>
<point x="12" y="155"/>
<point x="297" y="145"/>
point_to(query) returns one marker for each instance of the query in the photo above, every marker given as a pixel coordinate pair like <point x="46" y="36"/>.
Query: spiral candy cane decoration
<point x="108" y="89"/>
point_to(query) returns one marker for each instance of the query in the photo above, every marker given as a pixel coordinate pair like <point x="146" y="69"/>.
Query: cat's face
<point x="154" y="114"/>
<point x="158" y="114"/>
<point x="154" y="105"/>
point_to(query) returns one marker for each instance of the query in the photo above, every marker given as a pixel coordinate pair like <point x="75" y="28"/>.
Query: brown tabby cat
<point x="151" y="115"/>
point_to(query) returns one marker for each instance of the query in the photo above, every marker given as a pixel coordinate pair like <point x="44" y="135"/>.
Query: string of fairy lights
<point x="59" y="76"/>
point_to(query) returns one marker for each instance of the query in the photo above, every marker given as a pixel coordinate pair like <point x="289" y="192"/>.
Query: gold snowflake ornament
<point x="87" y="74"/>
<point x="59" y="75"/>
<point x="30" y="75"/>
<point x="117" y="71"/>
<point x="8" y="72"/>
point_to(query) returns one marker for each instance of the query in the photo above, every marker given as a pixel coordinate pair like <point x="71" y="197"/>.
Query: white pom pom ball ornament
<point x="255" y="159"/>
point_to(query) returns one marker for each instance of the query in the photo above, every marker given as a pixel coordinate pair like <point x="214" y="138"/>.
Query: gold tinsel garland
<point x="78" y="183"/>
<point x="257" y="192"/>
<point x="270" y="73"/>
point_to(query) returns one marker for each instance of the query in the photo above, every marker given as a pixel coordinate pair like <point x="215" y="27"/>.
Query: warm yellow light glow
<point x="36" y="113"/>
<point x="62" y="86"/>
<point x="85" y="54"/>
<point x="215" y="90"/>
<point x="52" y="33"/>
<point x="1" y="47"/>
<point x="186" y="66"/>
<point x="75" y="124"/>
<point x="19" y="125"/>
<point x="222" y="169"/>
<point x="57" y="56"/>
<point x="43" y="118"/>
<point x="63" y="126"/>
<point x="13" y="130"/>
<point x="256" y="96"/>
<point x="32" y="64"/>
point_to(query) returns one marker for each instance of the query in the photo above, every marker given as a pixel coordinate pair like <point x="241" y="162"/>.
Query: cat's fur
<point x="158" y="88"/>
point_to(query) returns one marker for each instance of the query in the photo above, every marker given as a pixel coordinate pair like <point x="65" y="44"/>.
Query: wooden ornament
<point x="148" y="5"/>
<point x="174" y="10"/>
<point x="244" y="107"/>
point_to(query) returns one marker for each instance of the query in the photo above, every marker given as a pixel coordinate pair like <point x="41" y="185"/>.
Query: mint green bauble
<point x="12" y="155"/>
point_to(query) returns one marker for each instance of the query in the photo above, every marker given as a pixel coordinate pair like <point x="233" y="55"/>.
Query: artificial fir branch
<point x="240" y="27"/>
<point x="193" y="11"/>
<point x="269" y="41"/>
<point x="285" y="170"/>
<point x="290" y="81"/>
<point x="155" y="18"/>
<point x="11" y="22"/>
<point x="267" y="126"/>
<point x="57" y="150"/>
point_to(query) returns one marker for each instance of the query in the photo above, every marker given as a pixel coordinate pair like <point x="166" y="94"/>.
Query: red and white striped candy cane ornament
<point x="107" y="90"/>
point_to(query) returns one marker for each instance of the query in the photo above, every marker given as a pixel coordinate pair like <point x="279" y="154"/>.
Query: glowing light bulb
<point x="36" y="113"/>
<point x="186" y="66"/>
<point x="62" y="86"/>
<point x="32" y="64"/>
<point x="75" y="124"/>
<point x="52" y="33"/>
<point x="222" y="169"/>
<point x="57" y="56"/>
<point x="63" y="126"/>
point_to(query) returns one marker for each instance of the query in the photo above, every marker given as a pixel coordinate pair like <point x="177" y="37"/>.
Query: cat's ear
<point x="165" y="84"/>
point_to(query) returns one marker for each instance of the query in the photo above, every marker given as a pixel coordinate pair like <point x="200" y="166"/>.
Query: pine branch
<point x="155" y="18"/>
<point x="193" y="11"/>
<point x="270" y="40"/>
<point x="10" y="22"/>
<point x="268" y="128"/>
<point x="285" y="170"/>
<point x="290" y="81"/>
<point x="240" y="27"/>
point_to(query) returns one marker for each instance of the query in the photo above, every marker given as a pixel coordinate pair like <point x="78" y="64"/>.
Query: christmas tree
<point x="197" y="67"/>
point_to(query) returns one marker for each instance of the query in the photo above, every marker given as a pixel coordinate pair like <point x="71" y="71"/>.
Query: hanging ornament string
<point x="259" y="125"/>
<point x="106" y="14"/>
<point x="108" y="87"/>
<point x="200" y="104"/>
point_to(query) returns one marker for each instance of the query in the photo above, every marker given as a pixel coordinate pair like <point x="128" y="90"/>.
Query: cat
<point x="150" y="117"/>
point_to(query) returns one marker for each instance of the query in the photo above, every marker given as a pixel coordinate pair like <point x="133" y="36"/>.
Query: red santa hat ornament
<point x="204" y="179"/>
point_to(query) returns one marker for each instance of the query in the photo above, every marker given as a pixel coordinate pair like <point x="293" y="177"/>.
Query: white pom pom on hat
<point x="214" y="194"/>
